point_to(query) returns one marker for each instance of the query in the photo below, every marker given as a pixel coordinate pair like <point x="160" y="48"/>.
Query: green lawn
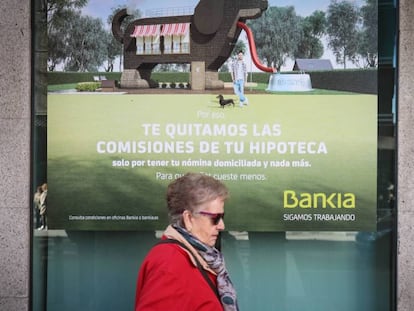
<point x="61" y="87"/>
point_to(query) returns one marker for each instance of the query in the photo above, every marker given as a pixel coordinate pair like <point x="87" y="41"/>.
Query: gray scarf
<point x="214" y="258"/>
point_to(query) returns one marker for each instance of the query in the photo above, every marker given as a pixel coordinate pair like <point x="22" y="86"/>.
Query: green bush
<point x="88" y="86"/>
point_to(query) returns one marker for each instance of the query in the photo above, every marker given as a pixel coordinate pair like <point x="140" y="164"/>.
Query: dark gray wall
<point x="15" y="58"/>
<point x="405" y="158"/>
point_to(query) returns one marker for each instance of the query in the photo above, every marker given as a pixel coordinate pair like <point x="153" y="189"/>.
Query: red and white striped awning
<point x="178" y="29"/>
<point x="146" y="31"/>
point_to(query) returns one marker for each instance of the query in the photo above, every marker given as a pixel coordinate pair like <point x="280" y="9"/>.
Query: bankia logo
<point x="293" y="199"/>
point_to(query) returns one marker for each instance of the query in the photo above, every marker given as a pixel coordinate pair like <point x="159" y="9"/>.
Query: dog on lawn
<point x="224" y="102"/>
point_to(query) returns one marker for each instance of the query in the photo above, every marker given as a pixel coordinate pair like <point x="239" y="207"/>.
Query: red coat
<point x="168" y="281"/>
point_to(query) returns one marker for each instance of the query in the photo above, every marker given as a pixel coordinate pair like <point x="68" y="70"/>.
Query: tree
<point x="174" y="67"/>
<point x="342" y="29"/>
<point x="368" y="47"/>
<point x="115" y="48"/>
<point x="313" y="28"/>
<point x="57" y="10"/>
<point x="87" y="44"/>
<point x="239" y="46"/>
<point x="57" y="51"/>
<point x="59" y="13"/>
<point x="277" y="35"/>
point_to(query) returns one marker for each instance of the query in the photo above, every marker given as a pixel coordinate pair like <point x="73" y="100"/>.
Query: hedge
<point x="353" y="80"/>
<point x="65" y="77"/>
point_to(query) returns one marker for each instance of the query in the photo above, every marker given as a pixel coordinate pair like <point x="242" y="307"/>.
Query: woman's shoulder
<point x="167" y="258"/>
<point x="167" y="254"/>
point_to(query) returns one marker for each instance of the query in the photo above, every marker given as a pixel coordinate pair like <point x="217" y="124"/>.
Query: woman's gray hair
<point x="190" y="191"/>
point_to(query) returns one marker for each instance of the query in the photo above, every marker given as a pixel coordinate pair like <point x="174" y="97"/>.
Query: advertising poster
<point x="295" y="156"/>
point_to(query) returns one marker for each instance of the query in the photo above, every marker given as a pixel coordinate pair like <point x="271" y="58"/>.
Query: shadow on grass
<point x="91" y="189"/>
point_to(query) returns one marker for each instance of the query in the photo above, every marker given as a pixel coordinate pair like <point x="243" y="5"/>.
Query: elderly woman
<point x="185" y="271"/>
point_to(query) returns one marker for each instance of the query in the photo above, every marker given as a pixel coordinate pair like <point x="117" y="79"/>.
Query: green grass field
<point x="189" y="133"/>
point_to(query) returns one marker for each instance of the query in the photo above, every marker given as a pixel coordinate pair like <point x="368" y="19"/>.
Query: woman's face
<point x="202" y="224"/>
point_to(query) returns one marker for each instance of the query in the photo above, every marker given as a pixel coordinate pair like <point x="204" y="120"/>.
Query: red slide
<point x="252" y="47"/>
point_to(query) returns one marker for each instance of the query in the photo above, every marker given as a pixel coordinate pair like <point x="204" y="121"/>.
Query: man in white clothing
<point x="239" y="77"/>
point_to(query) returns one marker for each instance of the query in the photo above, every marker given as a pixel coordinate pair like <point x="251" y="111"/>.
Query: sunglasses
<point x="215" y="217"/>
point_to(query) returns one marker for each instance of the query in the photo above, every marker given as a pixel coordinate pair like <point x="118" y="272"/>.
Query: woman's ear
<point x="208" y="16"/>
<point x="188" y="220"/>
